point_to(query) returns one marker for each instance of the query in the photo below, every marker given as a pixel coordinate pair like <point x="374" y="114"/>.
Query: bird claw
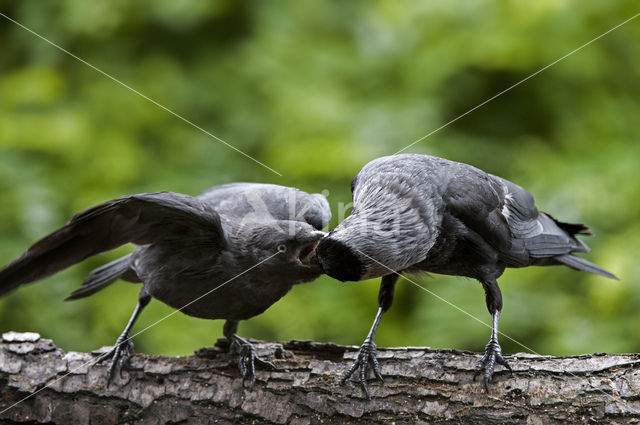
<point x="120" y="355"/>
<point x="247" y="360"/>
<point x="366" y="355"/>
<point x="492" y="355"/>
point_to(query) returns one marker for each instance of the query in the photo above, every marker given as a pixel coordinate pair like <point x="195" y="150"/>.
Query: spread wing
<point x="141" y="219"/>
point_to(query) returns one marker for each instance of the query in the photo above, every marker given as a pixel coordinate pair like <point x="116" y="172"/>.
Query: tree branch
<point x="421" y="385"/>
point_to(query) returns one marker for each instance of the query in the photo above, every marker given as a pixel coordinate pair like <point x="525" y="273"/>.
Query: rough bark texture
<point x="421" y="386"/>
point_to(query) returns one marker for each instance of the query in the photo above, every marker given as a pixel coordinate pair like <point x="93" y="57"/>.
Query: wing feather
<point x="141" y="219"/>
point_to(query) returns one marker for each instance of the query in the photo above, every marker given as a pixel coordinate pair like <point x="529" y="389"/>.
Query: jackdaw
<point x="415" y="213"/>
<point x="229" y="253"/>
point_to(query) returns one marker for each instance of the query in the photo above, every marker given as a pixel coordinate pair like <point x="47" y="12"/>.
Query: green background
<point x="315" y="90"/>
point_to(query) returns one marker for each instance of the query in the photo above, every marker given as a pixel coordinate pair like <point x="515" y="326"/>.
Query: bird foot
<point x="247" y="360"/>
<point x="492" y="355"/>
<point x="368" y="354"/>
<point x="120" y="355"/>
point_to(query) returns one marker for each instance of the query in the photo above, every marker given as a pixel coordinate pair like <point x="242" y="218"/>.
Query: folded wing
<point x="506" y="217"/>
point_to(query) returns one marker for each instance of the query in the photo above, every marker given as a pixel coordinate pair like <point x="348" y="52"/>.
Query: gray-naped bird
<point x="417" y="213"/>
<point x="229" y="253"/>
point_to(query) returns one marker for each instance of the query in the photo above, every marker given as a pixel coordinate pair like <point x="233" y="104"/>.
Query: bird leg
<point x="492" y="351"/>
<point x="122" y="351"/>
<point x="247" y="356"/>
<point x="368" y="353"/>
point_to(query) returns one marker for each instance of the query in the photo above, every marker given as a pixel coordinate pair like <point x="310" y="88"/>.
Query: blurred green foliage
<point x="315" y="90"/>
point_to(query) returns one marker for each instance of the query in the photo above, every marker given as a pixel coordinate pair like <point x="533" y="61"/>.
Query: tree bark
<point x="42" y="384"/>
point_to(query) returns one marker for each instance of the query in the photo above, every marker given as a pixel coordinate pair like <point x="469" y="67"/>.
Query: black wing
<point x="506" y="217"/>
<point x="475" y="199"/>
<point x="541" y="235"/>
<point x="141" y="219"/>
<point x="546" y="240"/>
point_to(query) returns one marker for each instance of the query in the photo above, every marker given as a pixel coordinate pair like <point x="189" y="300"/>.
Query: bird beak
<point x="307" y="254"/>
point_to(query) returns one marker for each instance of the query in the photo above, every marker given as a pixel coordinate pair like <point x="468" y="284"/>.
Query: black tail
<point x="101" y="277"/>
<point x="572" y="261"/>
<point x="582" y="264"/>
<point x="572" y="228"/>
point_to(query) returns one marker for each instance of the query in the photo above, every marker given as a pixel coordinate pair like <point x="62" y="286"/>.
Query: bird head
<point x="298" y="244"/>
<point x="290" y="244"/>
<point x="350" y="251"/>
<point x="338" y="260"/>
<point x="373" y="243"/>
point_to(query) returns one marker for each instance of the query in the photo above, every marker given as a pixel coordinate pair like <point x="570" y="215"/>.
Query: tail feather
<point x="582" y="264"/>
<point x="572" y="228"/>
<point x="101" y="277"/>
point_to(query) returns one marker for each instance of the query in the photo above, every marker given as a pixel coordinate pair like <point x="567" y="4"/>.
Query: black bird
<point x="422" y="213"/>
<point x="229" y="253"/>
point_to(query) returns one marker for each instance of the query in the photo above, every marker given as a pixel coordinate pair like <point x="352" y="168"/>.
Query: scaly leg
<point x="492" y="352"/>
<point x="247" y="356"/>
<point x="122" y="351"/>
<point x="368" y="351"/>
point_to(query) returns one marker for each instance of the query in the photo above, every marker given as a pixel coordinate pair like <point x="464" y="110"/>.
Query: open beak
<point x="307" y="255"/>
